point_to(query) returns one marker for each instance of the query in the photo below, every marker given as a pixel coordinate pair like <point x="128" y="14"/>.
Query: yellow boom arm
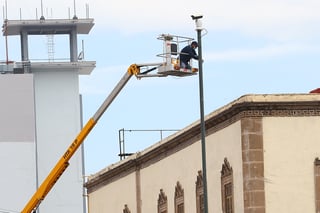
<point x="63" y="163"/>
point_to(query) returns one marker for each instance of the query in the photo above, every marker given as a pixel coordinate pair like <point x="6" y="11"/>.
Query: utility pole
<point x="203" y="128"/>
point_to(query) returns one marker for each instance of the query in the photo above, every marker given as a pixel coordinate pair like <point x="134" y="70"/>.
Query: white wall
<point x="57" y="124"/>
<point x="16" y="108"/>
<point x="39" y="118"/>
<point x="291" y="146"/>
<point x="17" y="141"/>
<point x="17" y="180"/>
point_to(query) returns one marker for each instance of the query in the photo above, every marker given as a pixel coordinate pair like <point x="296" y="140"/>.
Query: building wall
<point x="17" y="108"/>
<point x="39" y="118"/>
<point x="17" y="140"/>
<point x="271" y="146"/>
<point x="181" y="165"/>
<point x="124" y="188"/>
<point x="226" y="143"/>
<point x="57" y="106"/>
<point x="291" y="146"/>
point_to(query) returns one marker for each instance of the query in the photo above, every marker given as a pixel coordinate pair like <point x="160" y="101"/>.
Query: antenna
<point x="5" y="11"/>
<point x="6" y="31"/>
<point x="87" y="10"/>
<point x="42" y="17"/>
<point x="74" y="10"/>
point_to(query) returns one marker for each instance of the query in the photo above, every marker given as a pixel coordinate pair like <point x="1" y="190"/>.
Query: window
<point x="179" y="199"/>
<point x="162" y="202"/>
<point x="227" y="187"/>
<point x="199" y="193"/>
<point x="228" y="197"/>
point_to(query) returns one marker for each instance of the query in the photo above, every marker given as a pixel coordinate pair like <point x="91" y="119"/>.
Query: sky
<point x="248" y="47"/>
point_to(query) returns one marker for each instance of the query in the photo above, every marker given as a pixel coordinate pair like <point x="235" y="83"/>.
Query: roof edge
<point x="249" y="102"/>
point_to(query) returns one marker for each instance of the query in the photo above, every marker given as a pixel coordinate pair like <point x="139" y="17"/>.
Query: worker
<point x="186" y="54"/>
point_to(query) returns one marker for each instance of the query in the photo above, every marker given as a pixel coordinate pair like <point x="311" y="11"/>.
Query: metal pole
<point x="202" y="121"/>
<point x="42" y="17"/>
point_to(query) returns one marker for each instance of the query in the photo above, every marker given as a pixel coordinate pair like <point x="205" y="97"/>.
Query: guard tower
<point x="40" y="114"/>
<point x="26" y="28"/>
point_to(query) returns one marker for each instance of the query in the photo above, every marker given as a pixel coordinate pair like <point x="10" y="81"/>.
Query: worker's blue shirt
<point x="187" y="53"/>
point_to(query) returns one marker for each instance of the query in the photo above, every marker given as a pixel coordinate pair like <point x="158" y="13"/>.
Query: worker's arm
<point x="193" y="54"/>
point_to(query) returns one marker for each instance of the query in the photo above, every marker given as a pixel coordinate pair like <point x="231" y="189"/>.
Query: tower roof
<point x="50" y="26"/>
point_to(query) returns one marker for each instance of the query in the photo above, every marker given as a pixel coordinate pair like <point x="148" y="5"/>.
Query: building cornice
<point x="282" y="105"/>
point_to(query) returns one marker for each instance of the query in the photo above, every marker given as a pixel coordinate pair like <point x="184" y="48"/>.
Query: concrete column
<point x="24" y="46"/>
<point x="73" y="45"/>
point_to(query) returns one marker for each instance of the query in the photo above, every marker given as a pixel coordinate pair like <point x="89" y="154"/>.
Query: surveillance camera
<point x="196" y="17"/>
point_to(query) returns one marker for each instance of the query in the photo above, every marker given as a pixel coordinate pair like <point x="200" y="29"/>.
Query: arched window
<point x="162" y="202"/>
<point x="199" y="193"/>
<point x="179" y="199"/>
<point x="227" y="187"/>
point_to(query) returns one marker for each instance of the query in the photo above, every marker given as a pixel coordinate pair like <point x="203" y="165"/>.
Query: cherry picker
<point x="168" y="67"/>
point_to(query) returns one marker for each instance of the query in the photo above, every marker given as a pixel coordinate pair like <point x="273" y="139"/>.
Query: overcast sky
<point x="251" y="47"/>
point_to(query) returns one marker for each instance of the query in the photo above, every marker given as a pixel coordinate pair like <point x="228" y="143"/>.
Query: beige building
<point x="261" y="152"/>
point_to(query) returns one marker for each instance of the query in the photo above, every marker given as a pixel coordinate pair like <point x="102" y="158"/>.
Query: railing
<point x="123" y="154"/>
<point x="12" y="67"/>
